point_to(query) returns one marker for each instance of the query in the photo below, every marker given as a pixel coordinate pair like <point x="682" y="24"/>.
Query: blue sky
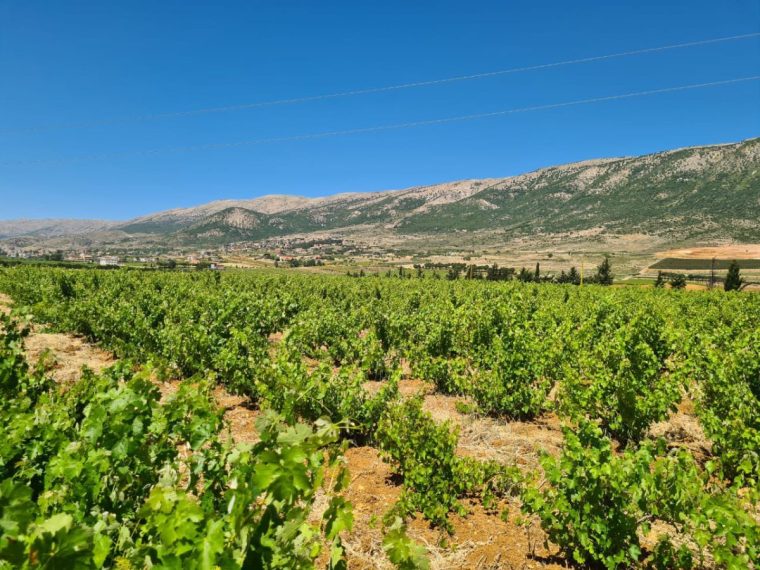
<point x="87" y="61"/>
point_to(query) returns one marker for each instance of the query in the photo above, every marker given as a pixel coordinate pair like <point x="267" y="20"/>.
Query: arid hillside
<point x="693" y="196"/>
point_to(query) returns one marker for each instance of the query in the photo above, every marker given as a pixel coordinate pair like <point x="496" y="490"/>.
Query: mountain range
<point x="696" y="194"/>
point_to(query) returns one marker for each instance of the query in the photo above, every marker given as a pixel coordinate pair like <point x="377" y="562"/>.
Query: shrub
<point x="622" y="381"/>
<point x="589" y="507"/>
<point x="423" y="454"/>
<point x="512" y="379"/>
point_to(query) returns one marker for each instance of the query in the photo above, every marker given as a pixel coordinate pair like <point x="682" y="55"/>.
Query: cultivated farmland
<point x="275" y="419"/>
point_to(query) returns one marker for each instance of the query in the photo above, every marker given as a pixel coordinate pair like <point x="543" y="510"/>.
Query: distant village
<point x="104" y="258"/>
<point x="281" y="251"/>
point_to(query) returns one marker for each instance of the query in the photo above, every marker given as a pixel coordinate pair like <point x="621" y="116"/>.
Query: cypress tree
<point x="734" y="280"/>
<point x="604" y="274"/>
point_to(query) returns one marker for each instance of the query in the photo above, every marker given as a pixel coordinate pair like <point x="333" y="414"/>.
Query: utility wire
<point x="396" y="126"/>
<point x="387" y="88"/>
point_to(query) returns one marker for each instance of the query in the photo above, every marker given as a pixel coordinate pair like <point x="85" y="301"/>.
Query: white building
<point x="108" y="261"/>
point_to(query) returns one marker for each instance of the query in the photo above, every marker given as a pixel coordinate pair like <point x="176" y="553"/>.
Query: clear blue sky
<point x="83" y="61"/>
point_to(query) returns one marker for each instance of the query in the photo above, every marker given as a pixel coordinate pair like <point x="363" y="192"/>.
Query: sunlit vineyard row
<point x="105" y="473"/>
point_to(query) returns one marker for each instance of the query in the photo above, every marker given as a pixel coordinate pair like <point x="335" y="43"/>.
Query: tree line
<point x="732" y="282"/>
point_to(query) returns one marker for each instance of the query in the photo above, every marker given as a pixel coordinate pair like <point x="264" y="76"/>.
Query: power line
<point x="370" y="90"/>
<point x="396" y="126"/>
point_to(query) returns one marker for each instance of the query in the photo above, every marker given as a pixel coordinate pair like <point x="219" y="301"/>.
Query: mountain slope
<point x="50" y="227"/>
<point x="685" y="193"/>
<point x="699" y="193"/>
<point x="230" y="224"/>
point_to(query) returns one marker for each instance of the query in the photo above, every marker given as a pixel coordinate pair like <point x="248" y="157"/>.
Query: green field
<point x="687" y="264"/>
<point x="107" y="472"/>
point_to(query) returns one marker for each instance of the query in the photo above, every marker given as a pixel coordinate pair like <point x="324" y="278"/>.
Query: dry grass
<point x="372" y="493"/>
<point x="68" y="355"/>
<point x="483" y="539"/>
<point x="511" y="442"/>
<point x="682" y="429"/>
<point x="444" y="408"/>
<point x="406" y="388"/>
<point x="240" y="414"/>
<point x="5" y="303"/>
<point x="65" y="355"/>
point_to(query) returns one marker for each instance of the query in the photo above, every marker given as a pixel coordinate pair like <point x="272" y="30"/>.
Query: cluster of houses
<point x="107" y="259"/>
<point x="19" y="253"/>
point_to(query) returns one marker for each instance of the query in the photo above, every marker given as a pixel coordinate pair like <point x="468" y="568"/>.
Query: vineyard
<point x="648" y="401"/>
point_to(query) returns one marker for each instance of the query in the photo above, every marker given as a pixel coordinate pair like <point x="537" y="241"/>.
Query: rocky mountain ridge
<point x="708" y="192"/>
